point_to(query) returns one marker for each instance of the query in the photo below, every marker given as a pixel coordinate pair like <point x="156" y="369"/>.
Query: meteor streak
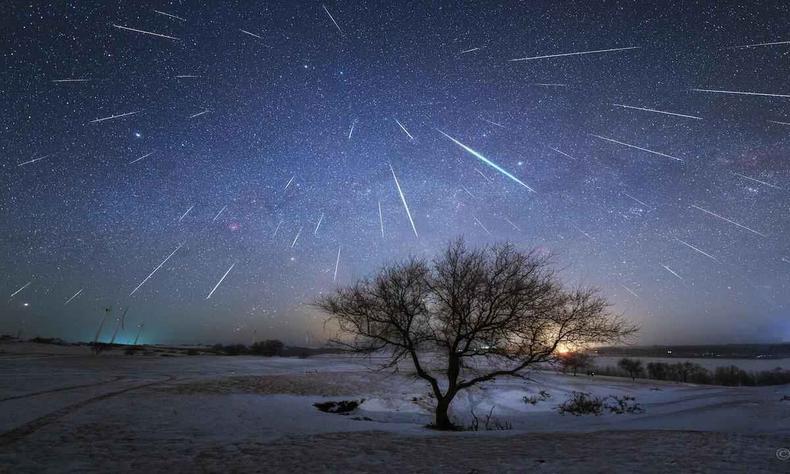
<point x="249" y="33"/>
<point x="728" y="220"/>
<point x="277" y="229"/>
<point x="584" y="233"/>
<point x="289" y="182"/>
<point x="486" y="160"/>
<point x="763" y="94"/>
<point x="171" y="16"/>
<point x="562" y="153"/>
<point x="185" y="214"/>
<point x="404" y="129"/>
<point x="75" y="295"/>
<point x="296" y="238"/>
<point x="219" y="213"/>
<point x="779" y="123"/>
<point x="186" y="76"/>
<point x="671" y="271"/>
<point x="113" y="117"/>
<point x="33" y="160"/>
<point x="698" y="250"/>
<point x="756" y="180"/>
<point x="72" y="80"/>
<point x="155" y="270"/>
<point x="514" y="225"/>
<point x="492" y="122"/>
<point x="315" y="232"/>
<point x="636" y="147"/>
<point x="471" y="50"/>
<point x="199" y="114"/>
<point x="337" y="264"/>
<point x="403" y="200"/>
<point x="549" y="84"/>
<point x="774" y="43"/>
<point x="381" y="221"/>
<point x="144" y="156"/>
<point x="333" y="20"/>
<point x="637" y="200"/>
<point x="23" y="287"/>
<point x="220" y="281"/>
<point x="578" y="53"/>
<point x="352" y="129"/>
<point x="630" y="291"/>
<point x="481" y="225"/>
<point x="657" y="111"/>
<point x="483" y="175"/>
<point x="146" y="32"/>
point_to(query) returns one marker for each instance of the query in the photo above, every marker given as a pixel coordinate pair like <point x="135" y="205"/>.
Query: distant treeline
<point x="689" y="372"/>
<point x="727" y="351"/>
<point x="266" y="348"/>
<point x="269" y="348"/>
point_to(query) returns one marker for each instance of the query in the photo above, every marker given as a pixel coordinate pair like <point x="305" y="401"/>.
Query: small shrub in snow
<point x="343" y="406"/>
<point x="581" y="403"/>
<point x="542" y="396"/>
<point x="621" y="405"/>
<point x="489" y="423"/>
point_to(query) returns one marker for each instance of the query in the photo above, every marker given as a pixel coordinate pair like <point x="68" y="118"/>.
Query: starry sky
<point x="153" y="154"/>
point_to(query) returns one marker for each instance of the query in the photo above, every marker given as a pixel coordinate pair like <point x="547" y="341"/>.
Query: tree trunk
<point x="442" y="420"/>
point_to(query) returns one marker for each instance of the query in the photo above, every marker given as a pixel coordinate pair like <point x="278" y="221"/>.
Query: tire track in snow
<point x="61" y="389"/>
<point x="14" y="435"/>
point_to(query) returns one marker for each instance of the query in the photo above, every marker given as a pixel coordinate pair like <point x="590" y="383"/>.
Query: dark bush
<point x="657" y="370"/>
<point x="342" y="407"/>
<point x="49" y="340"/>
<point x="234" y="349"/>
<point x="732" y="376"/>
<point x="778" y="376"/>
<point x="632" y="366"/>
<point x="268" y="348"/>
<point x="542" y="396"/>
<point x="622" y="405"/>
<point x="581" y="403"/>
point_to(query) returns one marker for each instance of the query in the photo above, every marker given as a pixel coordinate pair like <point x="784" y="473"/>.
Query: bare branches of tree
<point x="469" y="316"/>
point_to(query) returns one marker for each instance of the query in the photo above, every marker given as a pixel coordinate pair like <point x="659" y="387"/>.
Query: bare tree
<point x="469" y="316"/>
<point x="632" y="366"/>
<point x="575" y="361"/>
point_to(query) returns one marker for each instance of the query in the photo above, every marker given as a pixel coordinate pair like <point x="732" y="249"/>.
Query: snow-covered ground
<point x="66" y="410"/>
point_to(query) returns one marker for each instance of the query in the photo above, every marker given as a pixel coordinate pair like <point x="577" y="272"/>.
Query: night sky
<point x="265" y="138"/>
